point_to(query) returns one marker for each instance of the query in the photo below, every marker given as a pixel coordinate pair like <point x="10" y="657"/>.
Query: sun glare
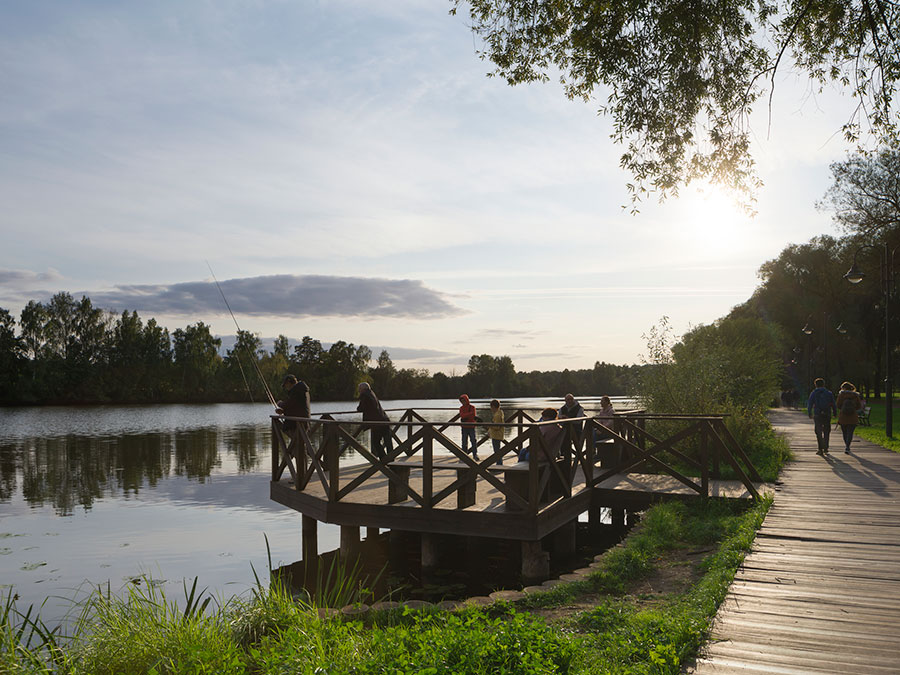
<point x="713" y="222"/>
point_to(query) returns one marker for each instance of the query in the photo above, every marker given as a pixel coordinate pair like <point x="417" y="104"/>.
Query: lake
<point x="103" y="495"/>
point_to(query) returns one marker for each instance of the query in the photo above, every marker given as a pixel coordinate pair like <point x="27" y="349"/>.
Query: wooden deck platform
<point x="367" y="505"/>
<point x="820" y="590"/>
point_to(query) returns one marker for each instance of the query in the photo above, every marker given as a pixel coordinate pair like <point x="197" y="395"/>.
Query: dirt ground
<point x="674" y="573"/>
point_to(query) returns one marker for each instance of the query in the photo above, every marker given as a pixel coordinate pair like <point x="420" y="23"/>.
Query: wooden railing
<point x="311" y="452"/>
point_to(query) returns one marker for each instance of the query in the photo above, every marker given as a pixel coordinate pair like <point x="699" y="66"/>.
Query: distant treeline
<point x="68" y="351"/>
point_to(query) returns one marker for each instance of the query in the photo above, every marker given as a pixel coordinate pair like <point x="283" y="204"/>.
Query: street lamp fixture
<point x="808" y="331"/>
<point x="854" y="275"/>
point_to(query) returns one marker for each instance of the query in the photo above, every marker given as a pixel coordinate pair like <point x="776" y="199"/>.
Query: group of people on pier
<point x="822" y="406"/>
<point x="296" y="403"/>
<point x="552" y="433"/>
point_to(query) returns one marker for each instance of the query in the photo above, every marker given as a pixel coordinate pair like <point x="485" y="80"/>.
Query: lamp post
<point x="808" y="331"/>
<point x="854" y="275"/>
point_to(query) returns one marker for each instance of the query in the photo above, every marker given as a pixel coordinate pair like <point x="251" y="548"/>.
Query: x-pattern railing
<point x="312" y="448"/>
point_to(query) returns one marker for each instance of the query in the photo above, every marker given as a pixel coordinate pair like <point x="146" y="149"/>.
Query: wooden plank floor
<point x="374" y="491"/>
<point x="820" y="591"/>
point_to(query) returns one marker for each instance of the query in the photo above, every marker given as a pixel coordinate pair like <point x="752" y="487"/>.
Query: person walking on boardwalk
<point x="370" y="407"/>
<point x="821" y="406"/>
<point x="496" y="432"/>
<point x="468" y="418"/>
<point x="849" y="403"/>
<point x="295" y="403"/>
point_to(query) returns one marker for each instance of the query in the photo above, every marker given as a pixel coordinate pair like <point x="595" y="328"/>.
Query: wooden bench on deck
<point x="465" y="493"/>
<point x="516" y="476"/>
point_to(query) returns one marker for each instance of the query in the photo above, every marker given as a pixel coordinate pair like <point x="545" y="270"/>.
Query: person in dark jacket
<point x="295" y="403"/>
<point x="570" y="410"/>
<point x="381" y="442"/>
<point x="821" y="406"/>
<point x="849" y="403"/>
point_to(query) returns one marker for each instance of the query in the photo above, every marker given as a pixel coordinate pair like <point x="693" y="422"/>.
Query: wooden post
<point x="430" y="553"/>
<point x="617" y="515"/>
<point x="715" y="459"/>
<point x="535" y="562"/>
<point x="309" y="539"/>
<point x="563" y="541"/>
<point x="277" y="439"/>
<point x="371" y="532"/>
<point x="595" y="523"/>
<point x="428" y="466"/>
<point x="332" y="459"/>
<point x="534" y="449"/>
<point x="349" y="541"/>
<point x="704" y="459"/>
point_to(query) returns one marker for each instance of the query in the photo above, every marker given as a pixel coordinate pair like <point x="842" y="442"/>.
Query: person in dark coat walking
<point x="849" y="403"/>
<point x="381" y="442"/>
<point x="821" y="406"/>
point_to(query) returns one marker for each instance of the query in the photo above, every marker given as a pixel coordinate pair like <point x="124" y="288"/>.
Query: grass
<point x="272" y="632"/>
<point x="875" y="433"/>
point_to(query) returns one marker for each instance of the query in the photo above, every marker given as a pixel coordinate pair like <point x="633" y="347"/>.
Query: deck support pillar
<point x="535" y="562"/>
<point x="349" y="541"/>
<point x="474" y="555"/>
<point x="595" y="521"/>
<point x="563" y="542"/>
<point x="372" y="532"/>
<point x="632" y="518"/>
<point x="309" y="541"/>
<point x="431" y="553"/>
<point x="618" y="517"/>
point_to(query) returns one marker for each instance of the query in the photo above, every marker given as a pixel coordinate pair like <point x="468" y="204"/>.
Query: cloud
<point x="287" y="295"/>
<point x="504" y="333"/>
<point x="416" y="354"/>
<point x="21" y="278"/>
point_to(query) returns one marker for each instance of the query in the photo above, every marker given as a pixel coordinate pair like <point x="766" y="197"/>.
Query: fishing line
<point x="251" y="357"/>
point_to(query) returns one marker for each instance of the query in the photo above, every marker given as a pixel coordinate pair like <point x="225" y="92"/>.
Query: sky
<point x="347" y="171"/>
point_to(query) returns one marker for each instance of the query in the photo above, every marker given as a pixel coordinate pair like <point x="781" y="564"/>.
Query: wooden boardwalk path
<point x="820" y="591"/>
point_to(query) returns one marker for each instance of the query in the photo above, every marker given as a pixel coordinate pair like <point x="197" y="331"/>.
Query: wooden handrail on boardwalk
<point x="312" y="449"/>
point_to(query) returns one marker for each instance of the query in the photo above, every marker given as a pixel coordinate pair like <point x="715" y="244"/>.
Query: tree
<point x="197" y="356"/>
<point x="865" y="194"/>
<point x="383" y="374"/>
<point x="680" y="79"/>
<point x="240" y="370"/>
<point x="32" y="322"/>
<point x="11" y="354"/>
<point x="281" y="347"/>
<point x="345" y="366"/>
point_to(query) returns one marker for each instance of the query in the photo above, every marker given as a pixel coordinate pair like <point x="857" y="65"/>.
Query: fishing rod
<point x="250" y="356"/>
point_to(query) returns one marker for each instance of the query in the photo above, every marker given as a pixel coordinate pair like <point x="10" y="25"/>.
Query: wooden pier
<point x="428" y="485"/>
<point x="820" y="590"/>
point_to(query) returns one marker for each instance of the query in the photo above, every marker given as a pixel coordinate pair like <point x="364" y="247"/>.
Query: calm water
<point x="97" y="495"/>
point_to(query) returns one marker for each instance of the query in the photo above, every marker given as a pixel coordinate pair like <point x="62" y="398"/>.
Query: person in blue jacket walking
<point x="821" y="406"/>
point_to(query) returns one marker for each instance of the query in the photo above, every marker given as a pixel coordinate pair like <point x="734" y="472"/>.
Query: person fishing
<point x="296" y="402"/>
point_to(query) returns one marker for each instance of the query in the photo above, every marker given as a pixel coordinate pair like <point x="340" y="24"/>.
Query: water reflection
<point x="76" y="470"/>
